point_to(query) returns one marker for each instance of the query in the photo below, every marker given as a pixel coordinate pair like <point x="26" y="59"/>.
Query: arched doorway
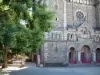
<point x="98" y="55"/>
<point x="86" y="56"/>
<point x="72" y="56"/>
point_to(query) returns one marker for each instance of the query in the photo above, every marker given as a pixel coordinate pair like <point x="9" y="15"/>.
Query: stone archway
<point x="98" y="55"/>
<point x="86" y="55"/>
<point x="72" y="56"/>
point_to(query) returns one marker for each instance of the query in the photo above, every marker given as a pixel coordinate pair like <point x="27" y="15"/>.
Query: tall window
<point x="56" y="5"/>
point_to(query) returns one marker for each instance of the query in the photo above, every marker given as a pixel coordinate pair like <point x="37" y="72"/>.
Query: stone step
<point x="55" y="65"/>
<point x="70" y="65"/>
<point x="84" y="65"/>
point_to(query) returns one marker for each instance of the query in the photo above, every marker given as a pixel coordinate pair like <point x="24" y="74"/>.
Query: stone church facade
<point x="75" y="38"/>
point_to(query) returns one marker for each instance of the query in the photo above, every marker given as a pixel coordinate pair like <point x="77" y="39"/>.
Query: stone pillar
<point x="68" y="56"/>
<point x="76" y="56"/>
<point x="94" y="56"/>
<point x="32" y="57"/>
<point x="65" y="14"/>
<point x="79" y="57"/>
<point x="38" y="60"/>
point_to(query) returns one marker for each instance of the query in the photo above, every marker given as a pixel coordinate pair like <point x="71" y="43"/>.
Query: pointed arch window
<point x="56" y="5"/>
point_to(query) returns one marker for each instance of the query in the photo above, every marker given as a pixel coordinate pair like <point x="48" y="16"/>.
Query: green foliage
<point x="27" y="40"/>
<point x="21" y="40"/>
<point x="43" y="17"/>
<point x="7" y="32"/>
<point x="27" y="37"/>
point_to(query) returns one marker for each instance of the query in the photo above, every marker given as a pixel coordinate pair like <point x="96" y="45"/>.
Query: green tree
<point x="37" y="18"/>
<point x="8" y="26"/>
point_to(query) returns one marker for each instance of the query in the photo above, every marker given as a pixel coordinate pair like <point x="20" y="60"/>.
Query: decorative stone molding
<point x="69" y="46"/>
<point x="72" y="37"/>
<point x="97" y="38"/>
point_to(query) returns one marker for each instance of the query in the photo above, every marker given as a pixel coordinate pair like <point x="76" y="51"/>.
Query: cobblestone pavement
<point x="32" y="70"/>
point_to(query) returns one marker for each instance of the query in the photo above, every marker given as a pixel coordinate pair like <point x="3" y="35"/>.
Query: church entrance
<point x="72" y="56"/>
<point x="86" y="56"/>
<point x="98" y="55"/>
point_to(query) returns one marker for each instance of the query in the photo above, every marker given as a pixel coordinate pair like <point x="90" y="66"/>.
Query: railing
<point x="55" y="36"/>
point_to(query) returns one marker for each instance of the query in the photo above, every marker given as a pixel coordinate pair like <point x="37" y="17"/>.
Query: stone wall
<point x="55" y="52"/>
<point x="97" y="6"/>
<point x="71" y="8"/>
<point x="87" y="10"/>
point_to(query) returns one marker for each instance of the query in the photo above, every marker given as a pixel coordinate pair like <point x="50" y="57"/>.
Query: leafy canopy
<point x="37" y="18"/>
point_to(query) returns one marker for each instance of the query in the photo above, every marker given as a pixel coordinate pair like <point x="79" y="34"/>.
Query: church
<point x="75" y="37"/>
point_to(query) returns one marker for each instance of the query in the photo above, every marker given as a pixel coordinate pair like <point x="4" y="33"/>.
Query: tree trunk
<point x="5" y="64"/>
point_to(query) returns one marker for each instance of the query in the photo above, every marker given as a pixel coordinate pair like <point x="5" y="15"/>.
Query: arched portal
<point x="86" y="56"/>
<point x="98" y="55"/>
<point x="72" y="56"/>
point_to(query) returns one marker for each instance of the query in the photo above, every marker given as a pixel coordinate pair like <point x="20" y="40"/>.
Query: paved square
<point x="31" y="70"/>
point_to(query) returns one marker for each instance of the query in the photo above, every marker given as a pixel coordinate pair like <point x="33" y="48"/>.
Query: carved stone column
<point x="79" y="57"/>
<point x="94" y="56"/>
<point x="68" y="56"/>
